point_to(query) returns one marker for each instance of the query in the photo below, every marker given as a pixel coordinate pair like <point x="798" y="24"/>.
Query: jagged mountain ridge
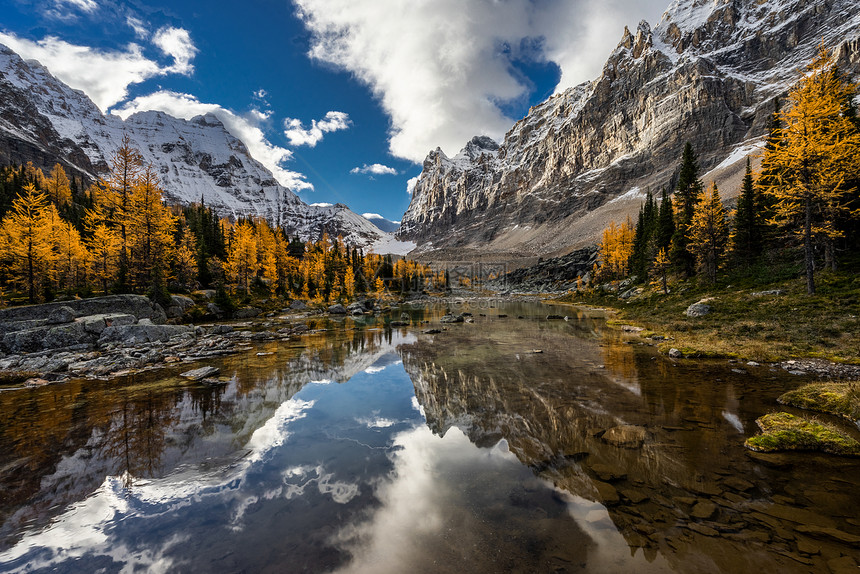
<point x="45" y="121"/>
<point x="708" y="73"/>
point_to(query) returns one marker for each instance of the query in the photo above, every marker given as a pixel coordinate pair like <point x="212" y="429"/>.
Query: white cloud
<point x="410" y="185"/>
<point x="374" y="169"/>
<point x="88" y="6"/>
<point x="244" y="128"/>
<point x="138" y="26"/>
<point x="441" y="68"/>
<point x="322" y="204"/>
<point x="176" y="43"/>
<point x="103" y="75"/>
<point x="332" y="122"/>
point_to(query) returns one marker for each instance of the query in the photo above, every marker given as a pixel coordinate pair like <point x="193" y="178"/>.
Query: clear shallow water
<point x="365" y="449"/>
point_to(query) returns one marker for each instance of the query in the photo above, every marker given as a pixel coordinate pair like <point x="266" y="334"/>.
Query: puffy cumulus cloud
<point x="245" y="128"/>
<point x="578" y="36"/>
<point x="299" y="135"/>
<point x="176" y="43"/>
<point x="103" y="75"/>
<point x="442" y="68"/>
<point x="410" y="185"/>
<point x="374" y="169"/>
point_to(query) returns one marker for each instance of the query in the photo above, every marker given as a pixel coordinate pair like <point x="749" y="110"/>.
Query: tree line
<point x="804" y="199"/>
<point x="119" y="235"/>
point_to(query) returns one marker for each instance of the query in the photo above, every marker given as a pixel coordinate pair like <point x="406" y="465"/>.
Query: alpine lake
<point x="512" y="443"/>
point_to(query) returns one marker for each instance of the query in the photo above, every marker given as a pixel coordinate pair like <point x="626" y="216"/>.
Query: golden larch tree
<point x="114" y="192"/>
<point x="816" y="153"/>
<point x="149" y="230"/>
<point x="26" y="240"/>
<point x="616" y="248"/>
<point x="708" y="233"/>
<point x="58" y="187"/>
<point x="103" y="245"/>
<point x="242" y="256"/>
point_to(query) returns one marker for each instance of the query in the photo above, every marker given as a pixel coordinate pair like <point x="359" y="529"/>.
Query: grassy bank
<point x="744" y="324"/>
<point x="836" y="398"/>
<point x="784" y="431"/>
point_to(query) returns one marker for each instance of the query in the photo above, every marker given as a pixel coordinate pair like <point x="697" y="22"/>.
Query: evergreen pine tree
<point x="686" y="197"/>
<point x="665" y="222"/>
<point x="747" y="235"/>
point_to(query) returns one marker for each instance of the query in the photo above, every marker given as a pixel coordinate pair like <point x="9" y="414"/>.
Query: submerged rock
<point x="626" y="436"/>
<point x="201" y="373"/>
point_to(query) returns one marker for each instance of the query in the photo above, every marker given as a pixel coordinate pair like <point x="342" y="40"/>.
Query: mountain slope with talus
<point x="708" y="73"/>
<point x="45" y="121"/>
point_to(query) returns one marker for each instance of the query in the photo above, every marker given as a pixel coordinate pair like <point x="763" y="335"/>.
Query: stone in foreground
<point x="201" y="373"/>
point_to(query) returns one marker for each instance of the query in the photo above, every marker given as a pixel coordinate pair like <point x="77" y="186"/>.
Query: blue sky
<point x="342" y="99"/>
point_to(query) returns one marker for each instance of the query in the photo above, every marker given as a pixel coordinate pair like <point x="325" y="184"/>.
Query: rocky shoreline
<point x="124" y="334"/>
<point x="113" y="336"/>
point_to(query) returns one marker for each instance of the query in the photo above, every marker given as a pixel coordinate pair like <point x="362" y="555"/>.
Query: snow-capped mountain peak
<point x="45" y="121"/>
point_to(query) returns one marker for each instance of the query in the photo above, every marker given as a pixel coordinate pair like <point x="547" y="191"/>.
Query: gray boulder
<point x="66" y="336"/>
<point x="298" y="305"/>
<point x="25" y="341"/>
<point x="10" y="326"/>
<point x="452" y="319"/>
<point x="95" y="324"/>
<point x="142" y="333"/>
<point x="137" y="305"/>
<point x="337" y="309"/>
<point x="247" y="313"/>
<point x="62" y="314"/>
<point x="179" y="304"/>
<point x="675" y="353"/>
<point x="697" y="310"/>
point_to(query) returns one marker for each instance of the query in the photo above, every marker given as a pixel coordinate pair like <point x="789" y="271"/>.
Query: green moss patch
<point x="784" y="431"/>
<point x="842" y="399"/>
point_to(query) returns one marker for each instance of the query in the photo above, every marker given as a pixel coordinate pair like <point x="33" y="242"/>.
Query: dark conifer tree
<point x="686" y="197"/>
<point x="665" y="222"/>
<point x="644" y="239"/>
<point x="747" y="238"/>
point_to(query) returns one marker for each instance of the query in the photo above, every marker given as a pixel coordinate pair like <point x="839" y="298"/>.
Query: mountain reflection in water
<point x="364" y="448"/>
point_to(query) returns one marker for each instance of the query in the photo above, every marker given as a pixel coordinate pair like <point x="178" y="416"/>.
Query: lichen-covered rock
<point x="697" y="310"/>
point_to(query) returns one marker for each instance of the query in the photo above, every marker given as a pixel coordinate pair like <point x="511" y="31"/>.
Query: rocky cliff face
<point x="45" y="121"/>
<point x="708" y="74"/>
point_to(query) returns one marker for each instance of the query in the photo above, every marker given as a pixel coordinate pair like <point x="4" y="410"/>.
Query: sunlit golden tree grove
<point x="806" y="194"/>
<point x="120" y="235"/>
